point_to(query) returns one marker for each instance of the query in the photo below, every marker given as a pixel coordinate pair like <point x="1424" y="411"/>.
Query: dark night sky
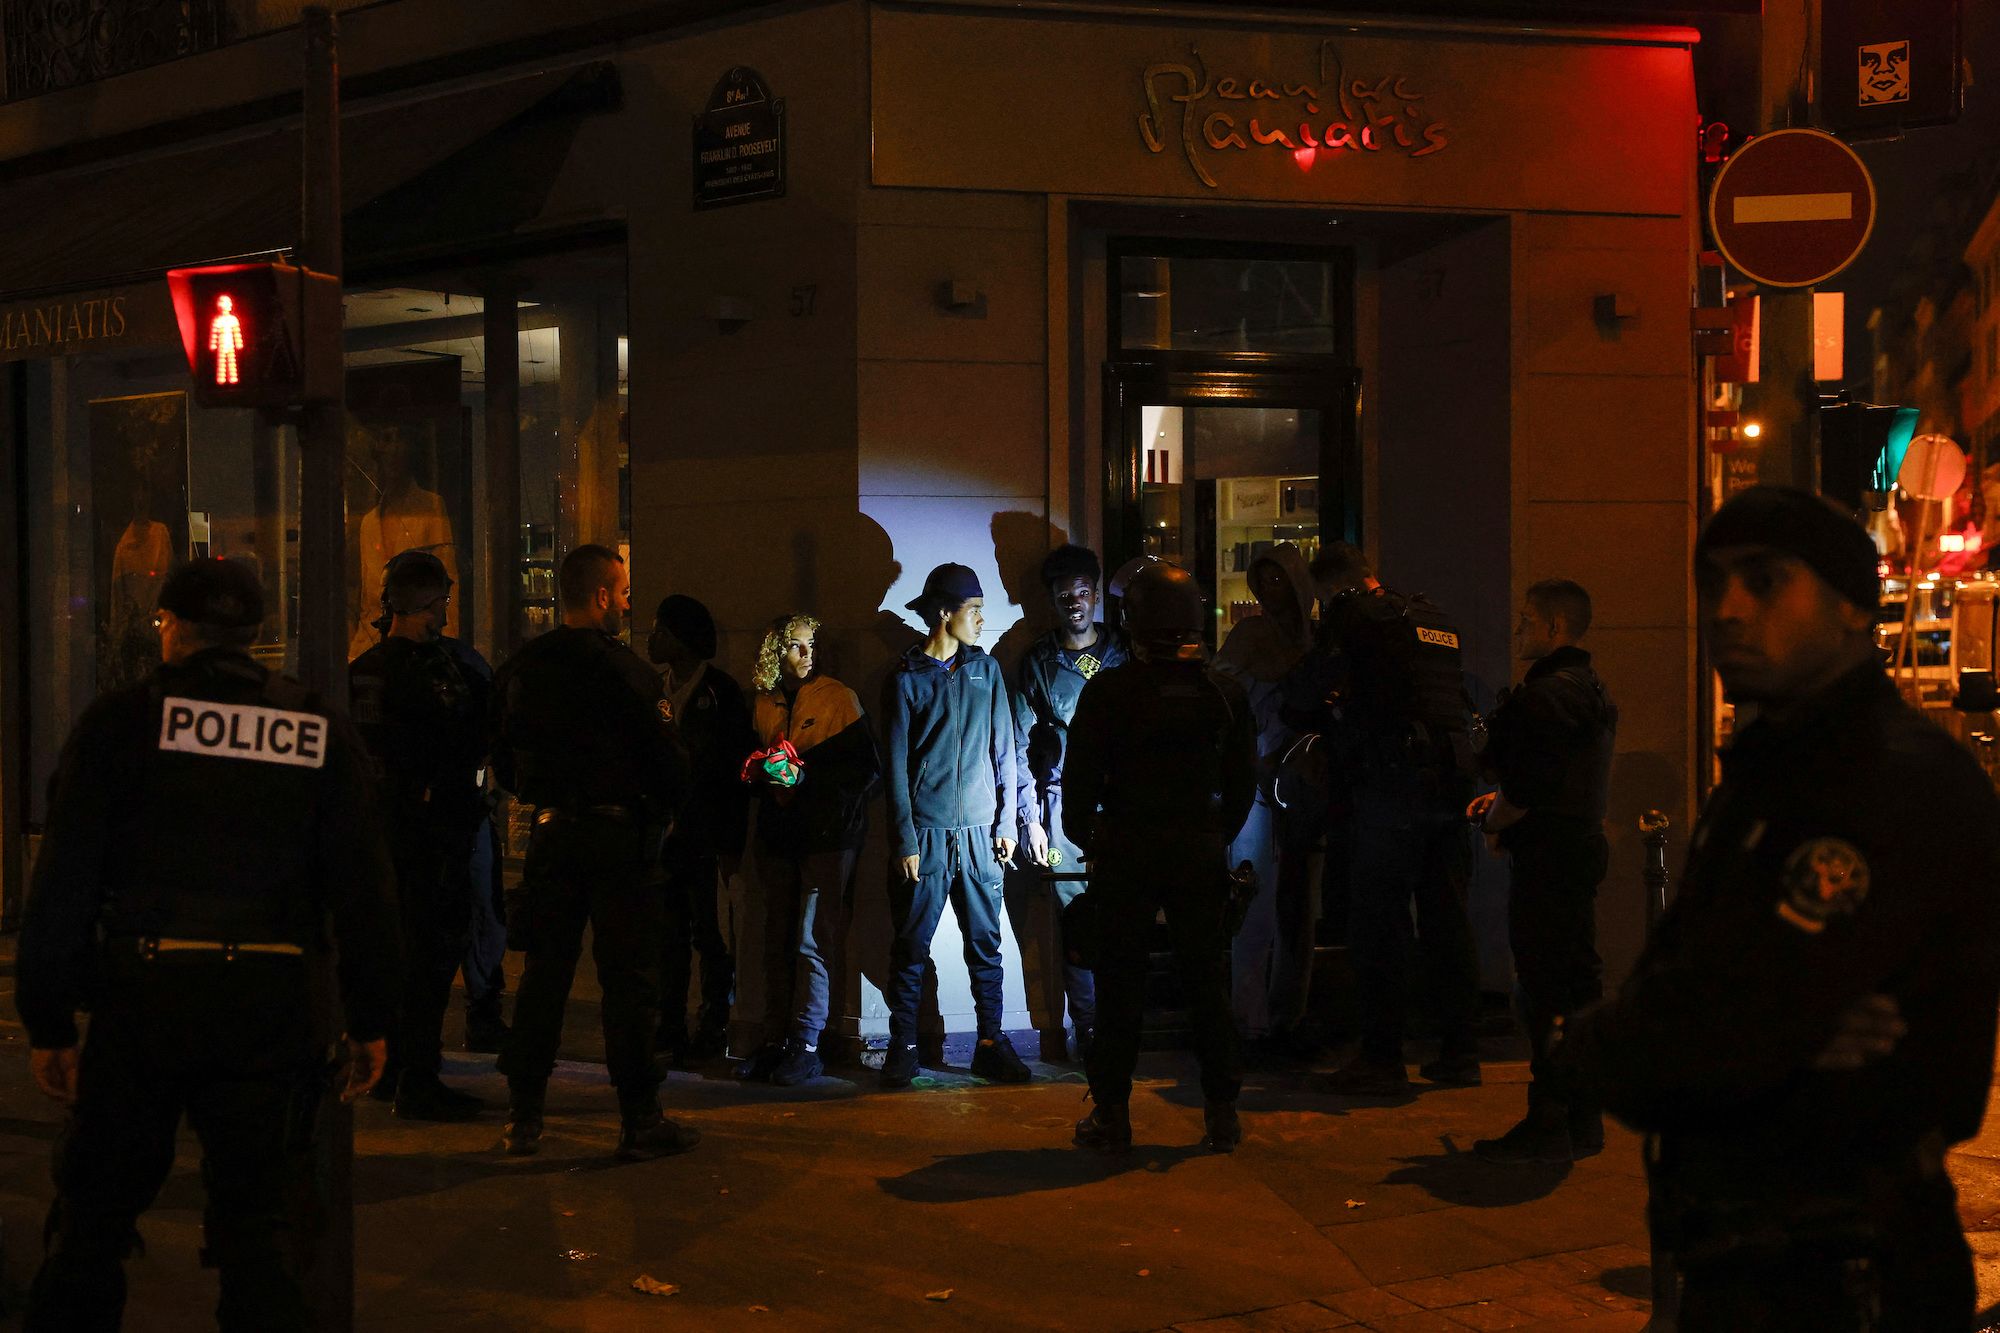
<point x="1908" y="174"/>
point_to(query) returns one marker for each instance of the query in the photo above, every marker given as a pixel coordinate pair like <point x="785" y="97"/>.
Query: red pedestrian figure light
<point x="225" y="339"/>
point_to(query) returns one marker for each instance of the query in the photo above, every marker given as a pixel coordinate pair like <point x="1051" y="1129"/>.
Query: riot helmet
<point x="1163" y="613"/>
<point x="413" y="580"/>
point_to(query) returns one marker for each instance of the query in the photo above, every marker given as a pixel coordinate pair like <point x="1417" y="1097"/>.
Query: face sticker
<point x="1824" y="878"/>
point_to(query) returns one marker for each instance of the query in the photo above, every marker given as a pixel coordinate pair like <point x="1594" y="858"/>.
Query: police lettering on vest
<point x="243" y="731"/>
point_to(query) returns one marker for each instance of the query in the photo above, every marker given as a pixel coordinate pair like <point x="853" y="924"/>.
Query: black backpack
<point x="1406" y="677"/>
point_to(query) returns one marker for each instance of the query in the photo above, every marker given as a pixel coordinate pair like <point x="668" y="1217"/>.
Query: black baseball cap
<point x="689" y="621"/>
<point x="954" y="584"/>
<point x="223" y="594"/>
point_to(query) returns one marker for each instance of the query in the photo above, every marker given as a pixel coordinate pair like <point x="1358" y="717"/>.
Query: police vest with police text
<point x="1406" y="676"/>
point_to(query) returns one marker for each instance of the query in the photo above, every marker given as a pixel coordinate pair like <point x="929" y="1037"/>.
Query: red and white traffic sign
<point x="1792" y="208"/>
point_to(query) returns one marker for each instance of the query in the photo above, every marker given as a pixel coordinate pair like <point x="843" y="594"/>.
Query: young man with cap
<point x="1848" y="864"/>
<point x="423" y="718"/>
<point x="705" y="849"/>
<point x="952" y="810"/>
<point x="1047" y="685"/>
<point x="205" y="823"/>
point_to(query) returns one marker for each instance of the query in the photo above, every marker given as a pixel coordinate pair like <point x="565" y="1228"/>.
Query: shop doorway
<point x="1231" y="409"/>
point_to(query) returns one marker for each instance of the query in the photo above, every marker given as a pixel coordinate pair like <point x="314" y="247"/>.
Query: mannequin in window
<point x="140" y="564"/>
<point x="404" y="517"/>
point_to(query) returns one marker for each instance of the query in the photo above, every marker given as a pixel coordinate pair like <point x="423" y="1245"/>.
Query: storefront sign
<point x="84" y="322"/>
<point x="739" y="143"/>
<point x="1337" y="111"/>
<point x="1099" y="106"/>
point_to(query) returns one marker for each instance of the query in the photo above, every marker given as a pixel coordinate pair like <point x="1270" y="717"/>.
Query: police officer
<point x="1387" y="680"/>
<point x="423" y="717"/>
<point x="1159" y="777"/>
<point x="1849" y="859"/>
<point x="205" y="822"/>
<point x="1549" y="747"/>
<point x="582" y="734"/>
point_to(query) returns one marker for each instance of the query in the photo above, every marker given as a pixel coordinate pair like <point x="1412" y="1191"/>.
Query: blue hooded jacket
<point x="951" y="757"/>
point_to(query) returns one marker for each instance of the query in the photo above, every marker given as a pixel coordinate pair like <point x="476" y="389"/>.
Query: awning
<point x="137" y="218"/>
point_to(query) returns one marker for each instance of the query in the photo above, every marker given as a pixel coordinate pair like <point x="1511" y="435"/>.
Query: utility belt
<point x="151" y="948"/>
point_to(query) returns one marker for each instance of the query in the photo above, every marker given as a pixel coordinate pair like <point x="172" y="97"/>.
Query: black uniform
<point x="714" y="723"/>
<point x="1550" y="747"/>
<point x="1158" y="779"/>
<point x="213" y="804"/>
<point x="1852" y="849"/>
<point x="1397" y="726"/>
<point x="423" y="717"/>
<point x="581" y="734"/>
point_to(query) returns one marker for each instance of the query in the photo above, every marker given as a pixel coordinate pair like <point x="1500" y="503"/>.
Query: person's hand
<point x="55" y="1072"/>
<point x="1005" y="847"/>
<point x="364" y="1066"/>
<point x="910" y="870"/>
<point x="1868" y="1031"/>
<point x="1038" y="844"/>
<point x="1476" y="812"/>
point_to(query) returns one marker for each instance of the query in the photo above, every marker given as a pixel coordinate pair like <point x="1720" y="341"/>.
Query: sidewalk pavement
<point x="952" y="1205"/>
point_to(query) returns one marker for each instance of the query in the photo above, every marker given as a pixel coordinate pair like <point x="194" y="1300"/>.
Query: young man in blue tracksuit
<point x="952" y="800"/>
<point x="1047" y="685"/>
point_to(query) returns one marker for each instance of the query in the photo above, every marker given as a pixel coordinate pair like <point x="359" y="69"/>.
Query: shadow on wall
<point x="1021" y="541"/>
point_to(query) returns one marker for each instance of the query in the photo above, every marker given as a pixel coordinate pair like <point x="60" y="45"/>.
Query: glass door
<point x="1211" y="465"/>
<point x="1232" y="408"/>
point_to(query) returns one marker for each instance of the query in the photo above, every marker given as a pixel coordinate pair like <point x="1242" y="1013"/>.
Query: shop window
<point x="128" y="478"/>
<point x="1233" y="303"/>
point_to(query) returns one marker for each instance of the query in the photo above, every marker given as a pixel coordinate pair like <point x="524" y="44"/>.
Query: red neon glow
<point x="225" y="339"/>
<point x="1304" y="157"/>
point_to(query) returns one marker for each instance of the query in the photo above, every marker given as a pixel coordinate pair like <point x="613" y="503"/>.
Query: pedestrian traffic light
<point x="258" y="335"/>
<point x="1861" y="449"/>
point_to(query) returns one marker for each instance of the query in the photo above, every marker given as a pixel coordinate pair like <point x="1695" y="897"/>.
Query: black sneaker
<point x="650" y="1136"/>
<point x="485" y="1034"/>
<point x="994" y="1060"/>
<point x="1364" y="1076"/>
<point x="799" y="1065"/>
<point x="425" y="1097"/>
<point x="899" y="1065"/>
<point x="523" y="1135"/>
<point x="759" y="1067"/>
<point x="1536" y="1141"/>
<point x="1458" y="1071"/>
<point x="1107" y="1129"/>
<point x="1225" y="1130"/>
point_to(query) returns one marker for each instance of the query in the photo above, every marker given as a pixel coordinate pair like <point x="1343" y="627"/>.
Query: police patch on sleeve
<point x="666" y="708"/>
<point x="243" y="731"/>
<point x="1823" y="878"/>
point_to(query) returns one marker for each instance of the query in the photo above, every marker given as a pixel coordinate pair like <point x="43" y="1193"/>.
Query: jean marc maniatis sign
<point x="739" y="142"/>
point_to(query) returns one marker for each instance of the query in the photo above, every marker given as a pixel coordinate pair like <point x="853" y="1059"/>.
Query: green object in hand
<point x="783" y="770"/>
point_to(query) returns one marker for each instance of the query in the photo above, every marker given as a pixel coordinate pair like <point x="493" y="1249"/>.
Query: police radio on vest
<point x="243" y="731"/>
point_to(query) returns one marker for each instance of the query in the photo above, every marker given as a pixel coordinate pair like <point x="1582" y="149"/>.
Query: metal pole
<point x="502" y="328"/>
<point x="1653" y="827"/>
<point x="323" y="626"/>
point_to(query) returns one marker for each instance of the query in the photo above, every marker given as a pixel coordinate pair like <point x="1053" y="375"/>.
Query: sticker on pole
<point x="1792" y="208"/>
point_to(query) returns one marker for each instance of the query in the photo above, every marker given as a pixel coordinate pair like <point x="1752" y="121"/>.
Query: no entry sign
<point x="1792" y="208"/>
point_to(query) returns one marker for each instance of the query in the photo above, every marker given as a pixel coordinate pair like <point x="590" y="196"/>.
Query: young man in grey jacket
<point x="952" y="794"/>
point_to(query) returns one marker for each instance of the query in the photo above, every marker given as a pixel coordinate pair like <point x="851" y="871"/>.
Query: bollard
<point x="1653" y="826"/>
